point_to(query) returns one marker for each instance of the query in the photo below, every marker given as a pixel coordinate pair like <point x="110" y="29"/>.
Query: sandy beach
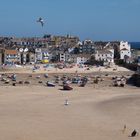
<point x="39" y="113"/>
<point x="97" y="111"/>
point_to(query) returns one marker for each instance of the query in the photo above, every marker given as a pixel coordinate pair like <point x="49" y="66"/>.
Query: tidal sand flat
<point x="39" y="113"/>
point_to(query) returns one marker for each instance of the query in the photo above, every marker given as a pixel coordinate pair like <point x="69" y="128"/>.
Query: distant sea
<point x="135" y="45"/>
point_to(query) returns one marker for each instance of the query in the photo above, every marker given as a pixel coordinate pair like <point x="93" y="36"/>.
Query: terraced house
<point x="12" y="57"/>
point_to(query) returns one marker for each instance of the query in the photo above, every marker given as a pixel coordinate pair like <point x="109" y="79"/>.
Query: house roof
<point x="104" y="52"/>
<point x="82" y="55"/>
<point x="124" y="49"/>
<point x="11" y="51"/>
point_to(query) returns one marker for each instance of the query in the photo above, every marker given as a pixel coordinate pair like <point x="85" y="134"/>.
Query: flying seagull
<point x="41" y="21"/>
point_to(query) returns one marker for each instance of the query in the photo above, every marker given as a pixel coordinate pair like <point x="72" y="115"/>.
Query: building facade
<point x="38" y="55"/>
<point x="12" y="57"/>
<point x="87" y="47"/>
<point x="31" y="57"/>
<point x="62" y="57"/>
<point x="107" y="56"/>
<point x="125" y="50"/>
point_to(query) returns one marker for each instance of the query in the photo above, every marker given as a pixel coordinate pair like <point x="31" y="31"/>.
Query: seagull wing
<point x="40" y="19"/>
<point x="42" y="22"/>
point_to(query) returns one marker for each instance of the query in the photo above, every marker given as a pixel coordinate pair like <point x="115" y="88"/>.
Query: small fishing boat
<point x="13" y="77"/>
<point x="27" y="82"/>
<point x="46" y="75"/>
<point x="7" y="81"/>
<point x="50" y="84"/>
<point x="38" y="77"/>
<point x="67" y="87"/>
<point x="82" y="84"/>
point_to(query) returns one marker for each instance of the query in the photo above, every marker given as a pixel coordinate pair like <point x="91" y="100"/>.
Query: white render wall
<point x="38" y="54"/>
<point x="81" y="60"/>
<point x="62" y="57"/>
<point x="123" y="53"/>
<point x="125" y="45"/>
<point x="125" y="49"/>
<point x="109" y="57"/>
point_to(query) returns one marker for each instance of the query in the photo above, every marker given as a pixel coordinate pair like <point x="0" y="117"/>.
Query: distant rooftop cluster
<point x="68" y="49"/>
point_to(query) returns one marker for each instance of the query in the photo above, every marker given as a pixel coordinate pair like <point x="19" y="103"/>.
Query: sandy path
<point x="38" y="113"/>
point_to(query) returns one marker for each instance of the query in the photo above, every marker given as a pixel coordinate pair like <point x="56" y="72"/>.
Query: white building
<point x="124" y="50"/>
<point x="41" y="55"/>
<point x="62" y="57"/>
<point x="65" y="57"/>
<point x="105" y="55"/>
<point x="81" y="60"/>
<point x="38" y="55"/>
<point x="87" y="47"/>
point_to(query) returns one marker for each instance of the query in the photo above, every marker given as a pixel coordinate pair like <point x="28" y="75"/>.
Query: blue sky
<point x="88" y="19"/>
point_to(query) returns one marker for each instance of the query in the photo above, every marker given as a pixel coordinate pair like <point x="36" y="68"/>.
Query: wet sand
<point x="38" y="113"/>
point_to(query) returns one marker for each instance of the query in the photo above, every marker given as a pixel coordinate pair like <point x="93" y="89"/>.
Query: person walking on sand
<point x="124" y="129"/>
